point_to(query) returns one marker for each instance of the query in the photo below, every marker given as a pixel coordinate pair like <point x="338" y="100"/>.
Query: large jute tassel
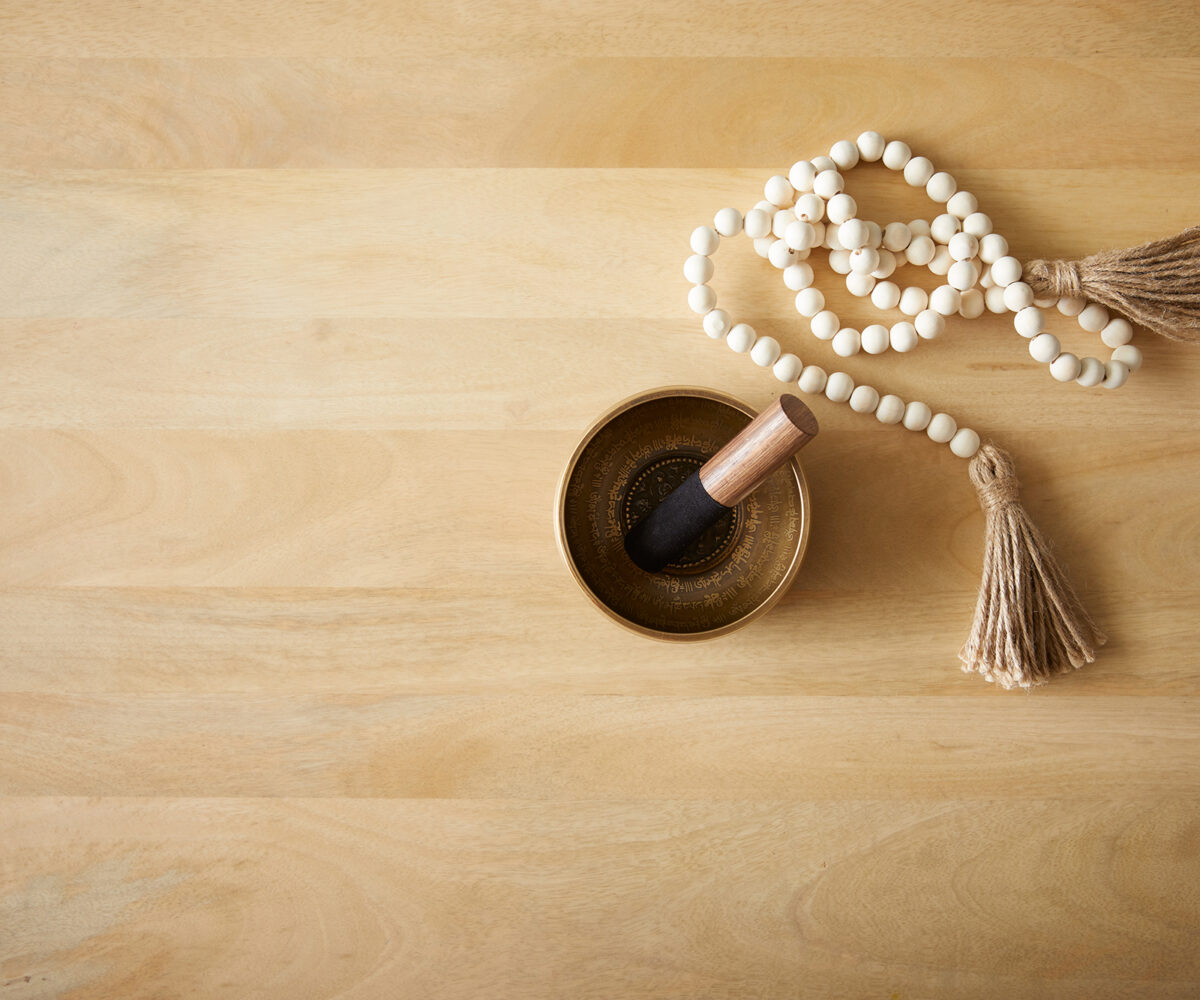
<point x="1029" y="625"/>
<point x="1156" y="285"/>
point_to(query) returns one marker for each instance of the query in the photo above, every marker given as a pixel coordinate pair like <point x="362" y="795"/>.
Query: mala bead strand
<point x="809" y="209"/>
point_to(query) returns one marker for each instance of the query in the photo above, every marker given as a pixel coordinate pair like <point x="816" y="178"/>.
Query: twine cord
<point x="1155" y="285"/>
<point x="1029" y="624"/>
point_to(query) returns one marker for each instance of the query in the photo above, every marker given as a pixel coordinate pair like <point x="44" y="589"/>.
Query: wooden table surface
<point x="303" y="309"/>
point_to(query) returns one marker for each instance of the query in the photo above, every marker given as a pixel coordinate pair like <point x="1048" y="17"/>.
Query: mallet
<point x="732" y="474"/>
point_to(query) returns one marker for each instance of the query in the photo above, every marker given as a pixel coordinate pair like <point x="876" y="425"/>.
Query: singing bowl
<point x="627" y="462"/>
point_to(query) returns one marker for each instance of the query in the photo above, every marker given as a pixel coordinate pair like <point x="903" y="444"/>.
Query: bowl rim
<point x="628" y="403"/>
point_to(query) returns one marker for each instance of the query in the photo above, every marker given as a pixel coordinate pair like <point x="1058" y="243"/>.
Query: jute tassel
<point x="1156" y="285"/>
<point x="1029" y="625"/>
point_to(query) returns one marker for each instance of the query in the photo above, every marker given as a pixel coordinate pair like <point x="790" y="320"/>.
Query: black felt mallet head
<point x="732" y="474"/>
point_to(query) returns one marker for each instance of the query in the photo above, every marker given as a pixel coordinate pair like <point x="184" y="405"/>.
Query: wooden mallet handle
<point x="732" y="474"/>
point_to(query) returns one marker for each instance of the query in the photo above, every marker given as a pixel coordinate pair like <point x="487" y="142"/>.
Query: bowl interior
<point x="631" y="460"/>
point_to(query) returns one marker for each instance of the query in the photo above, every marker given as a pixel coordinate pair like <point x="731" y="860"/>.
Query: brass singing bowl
<point x="627" y="462"/>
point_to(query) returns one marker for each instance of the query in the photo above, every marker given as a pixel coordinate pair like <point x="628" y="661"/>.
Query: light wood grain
<point x="302" y="311"/>
<point x="313" y="898"/>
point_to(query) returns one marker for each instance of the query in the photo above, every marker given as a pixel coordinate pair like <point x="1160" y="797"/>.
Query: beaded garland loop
<point x="809" y="210"/>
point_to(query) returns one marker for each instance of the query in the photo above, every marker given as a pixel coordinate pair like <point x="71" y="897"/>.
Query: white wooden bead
<point x="917" y="171"/>
<point x="762" y="246"/>
<point x="812" y="379"/>
<point x="800" y="235"/>
<point x="1115" y="375"/>
<point x="757" y="224"/>
<point x="787" y="368"/>
<point x="823" y="163"/>
<point x="859" y="284"/>
<point x="896" y="155"/>
<point x="1070" y="305"/>
<point x="963" y="274"/>
<point x="985" y="279"/>
<point x="913" y="299"/>
<point x="945" y="299"/>
<point x="942" y="427"/>
<point x="875" y="338"/>
<point x="885" y="295"/>
<point x="1066" y="367"/>
<point x="887" y="264"/>
<point x="1091" y="373"/>
<point x="890" y="410"/>
<point x="818" y="233"/>
<point x="780" y="254"/>
<point x="972" y="304"/>
<point x="824" y="325"/>
<point x="864" y="260"/>
<point x="797" y="276"/>
<point x="864" y="399"/>
<point x="919" y="227"/>
<point x="903" y="337"/>
<point x="993" y="298"/>
<point x="1117" y="332"/>
<point x="1005" y="271"/>
<point x="852" y="234"/>
<point x="801" y="175"/>
<point x="741" y="338"/>
<point x="896" y="236"/>
<point x="917" y="416"/>
<point x="698" y="269"/>
<point x="965" y="443"/>
<point x="780" y="222"/>
<point x="839" y="261"/>
<point x="840" y="208"/>
<point x="1094" y="318"/>
<point x="765" y="352"/>
<point x="828" y="183"/>
<point x="992" y="247"/>
<point x="944" y="228"/>
<point x="920" y="250"/>
<point x="1044" y="301"/>
<point x="847" y="342"/>
<point x="1044" y="347"/>
<point x="874" y="235"/>
<point x="961" y="204"/>
<point x="810" y="301"/>
<point x="779" y="191"/>
<point x="838" y="387"/>
<point x="728" y="222"/>
<point x="705" y="240"/>
<point x="1129" y="356"/>
<point x="1030" y="321"/>
<point x="831" y="237"/>
<point x="978" y="225"/>
<point x="870" y="146"/>
<point x="941" y="262"/>
<point x="941" y="187"/>
<point x="930" y="324"/>
<point x="716" y="323"/>
<point x="1018" y="296"/>
<point x="963" y="246"/>
<point x="845" y="154"/>
<point x="810" y="208"/>
<point x="701" y="298"/>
